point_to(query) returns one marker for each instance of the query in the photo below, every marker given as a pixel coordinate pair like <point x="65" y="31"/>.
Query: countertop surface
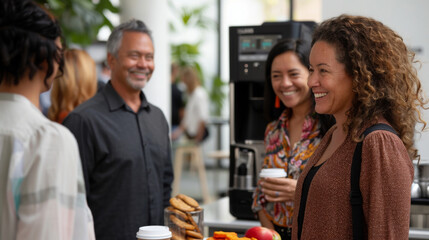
<point x="217" y="215"/>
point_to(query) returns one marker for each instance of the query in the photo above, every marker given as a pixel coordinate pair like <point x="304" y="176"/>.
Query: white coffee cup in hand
<point x="272" y="173"/>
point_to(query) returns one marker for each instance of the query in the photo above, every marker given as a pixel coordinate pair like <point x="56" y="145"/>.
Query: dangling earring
<point x="277" y="102"/>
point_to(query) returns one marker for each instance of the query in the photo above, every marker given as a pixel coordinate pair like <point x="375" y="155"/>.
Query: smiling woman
<point x="362" y="73"/>
<point x="292" y="135"/>
<point x="289" y="81"/>
<point x="330" y="83"/>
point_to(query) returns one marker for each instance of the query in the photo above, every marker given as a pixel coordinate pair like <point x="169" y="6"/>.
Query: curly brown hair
<point x="385" y="82"/>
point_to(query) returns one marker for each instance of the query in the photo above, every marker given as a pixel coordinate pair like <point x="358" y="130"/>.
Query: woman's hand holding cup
<point x="275" y="186"/>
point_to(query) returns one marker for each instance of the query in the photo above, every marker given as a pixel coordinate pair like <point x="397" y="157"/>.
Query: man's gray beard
<point x="136" y="86"/>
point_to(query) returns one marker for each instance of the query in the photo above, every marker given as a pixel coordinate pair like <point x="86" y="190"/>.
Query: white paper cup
<point x="272" y="173"/>
<point x="153" y="233"/>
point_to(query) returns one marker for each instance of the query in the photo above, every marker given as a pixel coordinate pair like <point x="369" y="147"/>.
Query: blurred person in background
<point x="292" y="135"/>
<point x="104" y="75"/>
<point x="196" y="116"/>
<point x="124" y="141"/>
<point x="177" y="101"/>
<point x="77" y="84"/>
<point x="42" y="192"/>
<point x="362" y="73"/>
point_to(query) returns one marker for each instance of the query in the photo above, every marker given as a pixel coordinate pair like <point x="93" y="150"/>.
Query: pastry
<point x="181" y="205"/>
<point x="181" y="224"/>
<point x="194" y="234"/>
<point x="190" y="201"/>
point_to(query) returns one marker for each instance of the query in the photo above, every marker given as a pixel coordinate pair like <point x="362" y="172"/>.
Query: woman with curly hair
<point x="362" y="73"/>
<point x="78" y="84"/>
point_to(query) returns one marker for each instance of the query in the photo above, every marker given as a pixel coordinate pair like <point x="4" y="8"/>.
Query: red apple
<point x="262" y="233"/>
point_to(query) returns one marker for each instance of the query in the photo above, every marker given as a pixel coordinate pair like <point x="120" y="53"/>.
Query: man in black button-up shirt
<point x="124" y="141"/>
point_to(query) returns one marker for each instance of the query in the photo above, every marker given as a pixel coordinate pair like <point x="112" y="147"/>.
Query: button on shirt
<point x="126" y="158"/>
<point x="41" y="184"/>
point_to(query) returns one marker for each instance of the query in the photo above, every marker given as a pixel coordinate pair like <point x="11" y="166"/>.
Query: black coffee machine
<point x="249" y="47"/>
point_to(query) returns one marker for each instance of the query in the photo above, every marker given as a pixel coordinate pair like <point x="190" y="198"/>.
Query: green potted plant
<point x="80" y="20"/>
<point x="188" y="53"/>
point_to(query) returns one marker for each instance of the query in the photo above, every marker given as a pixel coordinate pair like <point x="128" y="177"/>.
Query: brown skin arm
<point x="200" y="133"/>
<point x="177" y="132"/>
<point x="265" y="222"/>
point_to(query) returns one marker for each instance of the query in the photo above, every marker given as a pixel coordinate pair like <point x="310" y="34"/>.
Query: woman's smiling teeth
<point x="289" y="93"/>
<point x="319" y="95"/>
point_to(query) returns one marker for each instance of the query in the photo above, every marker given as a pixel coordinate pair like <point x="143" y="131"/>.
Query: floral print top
<point x="280" y="154"/>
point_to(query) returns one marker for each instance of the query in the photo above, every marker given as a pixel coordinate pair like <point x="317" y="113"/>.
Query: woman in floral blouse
<point x="292" y="135"/>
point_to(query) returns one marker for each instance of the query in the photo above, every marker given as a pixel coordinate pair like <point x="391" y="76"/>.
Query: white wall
<point x="410" y="19"/>
<point x="153" y="14"/>
<point x="232" y="15"/>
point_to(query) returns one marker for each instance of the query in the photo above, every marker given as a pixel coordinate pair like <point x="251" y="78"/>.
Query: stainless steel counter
<point x="419" y="220"/>
<point x="218" y="218"/>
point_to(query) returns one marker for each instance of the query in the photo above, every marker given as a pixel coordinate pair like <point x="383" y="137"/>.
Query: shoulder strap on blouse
<point x="355" y="193"/>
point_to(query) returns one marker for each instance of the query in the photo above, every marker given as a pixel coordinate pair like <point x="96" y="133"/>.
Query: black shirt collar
<point x="115" y="101"/>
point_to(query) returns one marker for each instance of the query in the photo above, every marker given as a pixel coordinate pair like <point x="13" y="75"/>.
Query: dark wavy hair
<point x="385" y="82"/>
<point x="27" y="39"/>
<point x="301" y="48"/>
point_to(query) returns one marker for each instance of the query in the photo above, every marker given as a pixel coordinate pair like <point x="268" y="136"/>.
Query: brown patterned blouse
<point x="385" y="182"/>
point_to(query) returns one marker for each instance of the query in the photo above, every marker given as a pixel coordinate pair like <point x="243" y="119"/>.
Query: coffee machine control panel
<point x="253" y="51"/>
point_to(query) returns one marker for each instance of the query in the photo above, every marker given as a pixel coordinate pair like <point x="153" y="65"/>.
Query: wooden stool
<point x="219" y="154"/>
<point x="196" y="158"/>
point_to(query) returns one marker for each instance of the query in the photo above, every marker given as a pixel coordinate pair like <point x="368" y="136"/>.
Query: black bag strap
<point x="355" y="193"/>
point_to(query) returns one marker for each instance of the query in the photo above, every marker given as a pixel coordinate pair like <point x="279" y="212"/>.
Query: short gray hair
<point x="115" y="38"/>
